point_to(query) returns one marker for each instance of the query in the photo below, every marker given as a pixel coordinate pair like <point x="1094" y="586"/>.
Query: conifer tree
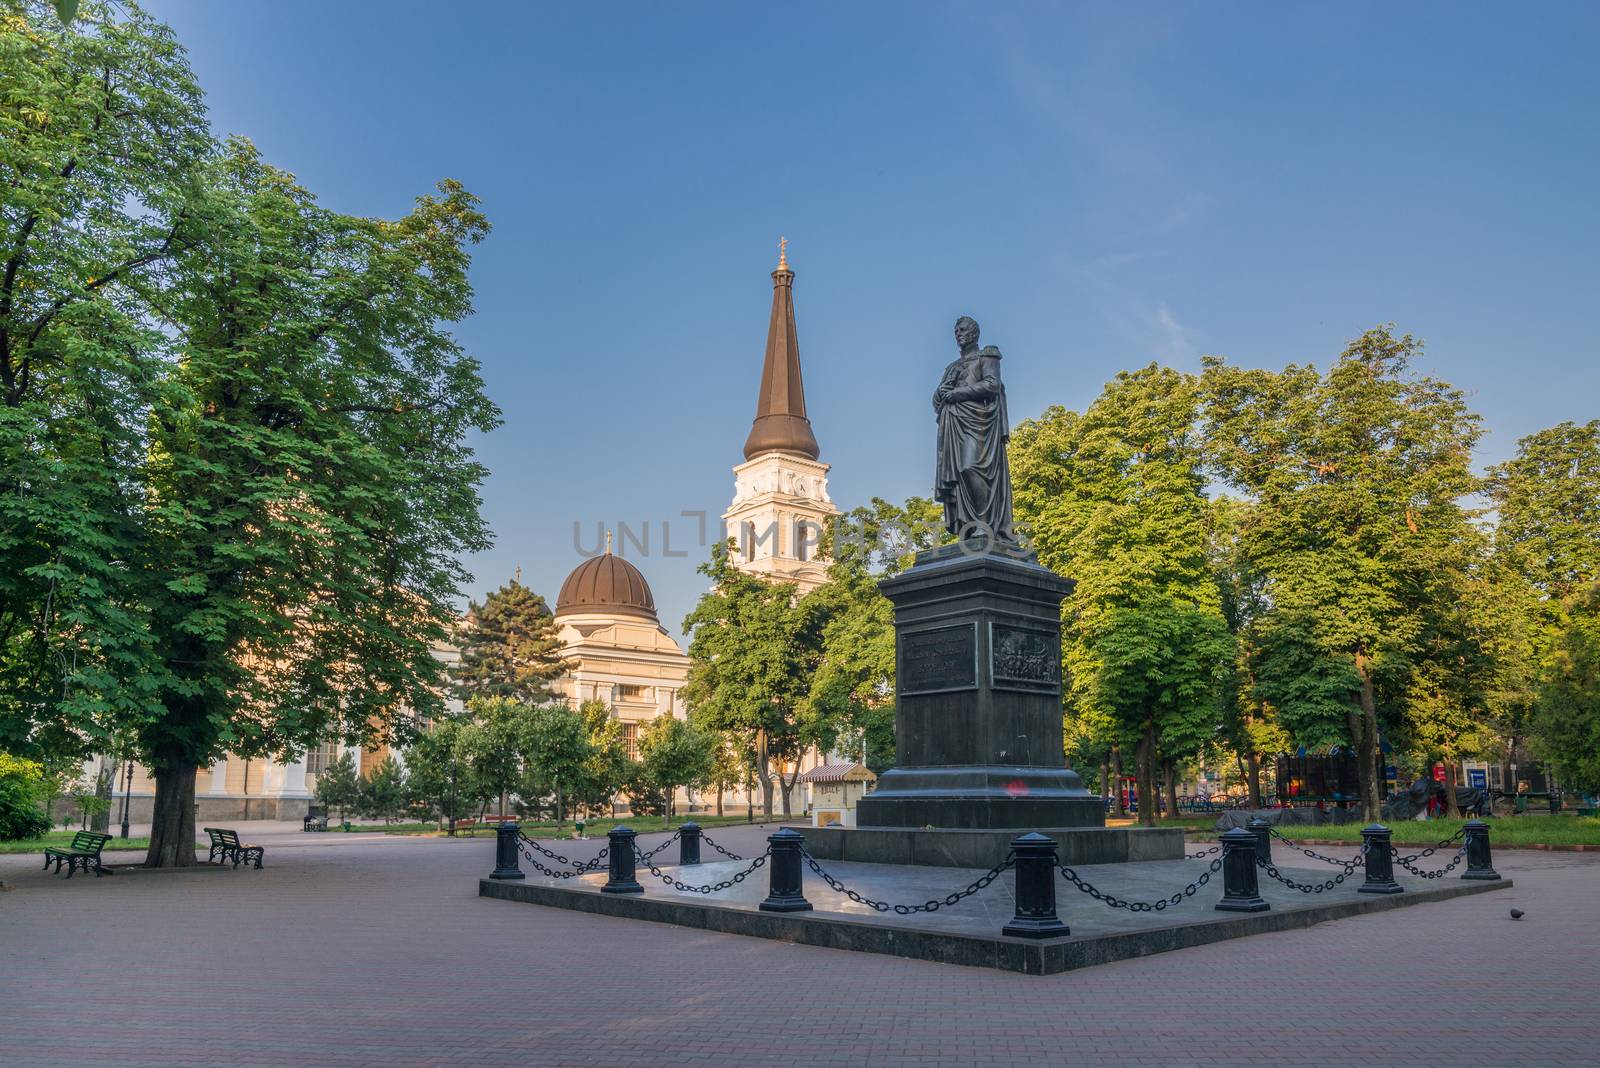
<point x="510" y="647"/>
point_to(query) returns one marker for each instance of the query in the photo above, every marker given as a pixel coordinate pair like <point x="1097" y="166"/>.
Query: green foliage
<point x="674" y="753"/>
<point x="607" y="765"/>
<point x="233" y="424"/>
<point x="554" y="747"/>
<point x="339" y="784"/>
<point x="1114" y="499"/>
<point x="1568" y="711"/>
<point x="509" y="646"/>
<point x="439" y="770"/>
<point x="383" y="791"/>
<point x="1356" y="534"/>
<point x="752" y="653"/>
<point x="24" y="791"/>
<point x="850" y="703"/>
<point x="1547" y="503"/>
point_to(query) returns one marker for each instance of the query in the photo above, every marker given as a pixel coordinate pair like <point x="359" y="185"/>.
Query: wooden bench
<point x="84" y="850"/>
<point x="225" y="845"/>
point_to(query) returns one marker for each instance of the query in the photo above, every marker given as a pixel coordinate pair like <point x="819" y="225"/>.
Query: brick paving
<point x="365" y="950"/>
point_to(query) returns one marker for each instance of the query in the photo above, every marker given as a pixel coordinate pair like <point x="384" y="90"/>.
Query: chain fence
<point x="706" y="838"/>
<point x="931" y="905"/>
<point x="528" y="847"/>
<point x="1349" y="866"/>
<point x="709" y="888"/>
<point x="646" y="857"/>
<point x="1113" y="901"/>
<point x="1409" y="863"/>
<point x="1335" y="861"/>
<point x="1203" y="853"/>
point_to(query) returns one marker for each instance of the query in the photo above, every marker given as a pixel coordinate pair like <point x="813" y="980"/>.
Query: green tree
<point x="752" y="652"/>
<point x="850" y="703"/>
<point x="383" y="791"/>
<point x="607" y="765"/>
<point x="674" y="753"/>
<point x="438" y="770"/>
<point x="494" y="743"/>
<point x="1547" y="504"/>
<point x="1358" y="531"/>
<point x="1568" y="710"/>
<point x="339" y="785"/>
<point x="24" y="791"/>
<point x="555" y="751"/>
<point x="251" y="414"/>
<point x="509" y="646"/>
<point x="101" y="127"/>
<point x="1120" y="509"/>
<point x="728" y="768"/>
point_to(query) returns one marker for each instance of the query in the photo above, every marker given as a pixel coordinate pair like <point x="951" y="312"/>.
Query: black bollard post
<point x="1240" y="890"/>
<point x="506" y="863"/>
<point x="1479" y="864"/>
<point x="1380" y="869"/>
<point x="785" y="892"/>
<point x="1035" y="889"/>
<point x="689" y="843"/>
<point x="619" y="863"/>
<point x="1263" y="832"/>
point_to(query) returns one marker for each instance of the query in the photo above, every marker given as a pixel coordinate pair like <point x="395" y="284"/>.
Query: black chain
<point x="1405" y="862"/>
<point x="577" y="869"/>
<point x="709" y="888"/>
<point x="931" y="905"/>
<point x="706" y="838"/>
<point x="1112" y="901"/>
<point x="1203" y="853"/>
<point x="647" y="856"/>
<point x="1335" y="861"/>
<point x="1349" y="866"/>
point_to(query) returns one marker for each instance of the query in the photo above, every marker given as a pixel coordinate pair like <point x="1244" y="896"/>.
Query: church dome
<point x="607" y="585"/>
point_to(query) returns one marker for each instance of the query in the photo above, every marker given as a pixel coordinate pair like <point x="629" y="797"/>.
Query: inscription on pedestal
<point x="941" y="658"/>
<point x="1025" y="657"/>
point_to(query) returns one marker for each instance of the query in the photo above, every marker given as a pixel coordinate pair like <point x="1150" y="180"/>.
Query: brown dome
<point x="608" y="585"/>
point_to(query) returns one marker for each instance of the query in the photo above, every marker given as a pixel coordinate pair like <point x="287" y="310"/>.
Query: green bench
<point x="225" y="846"/>
<point x="84" y="851"/>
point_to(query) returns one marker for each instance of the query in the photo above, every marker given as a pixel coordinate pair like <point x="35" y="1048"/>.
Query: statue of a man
<point x="971" y="476"/>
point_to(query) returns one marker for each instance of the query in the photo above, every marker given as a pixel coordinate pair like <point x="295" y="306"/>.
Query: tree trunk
<point x="1105" y="777"/>
<point x="1254" y="779"/>
<point x="1366" y="739"/>
<point x="1116" y="786"/>
<point x="764" y="772"/>
<point x="1146" y="759"/>
<point x="1169" y="768"/>
<point x="100" y="822"/>
<point x="719" y="800"/>
<point x="172" y="822"/>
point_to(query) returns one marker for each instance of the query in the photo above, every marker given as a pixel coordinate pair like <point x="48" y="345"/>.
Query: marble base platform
<point x="968" y="933"/>
<point x="956" y="848"/>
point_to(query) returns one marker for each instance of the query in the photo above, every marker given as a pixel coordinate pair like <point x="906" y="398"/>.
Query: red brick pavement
<point x="379" y="952"/>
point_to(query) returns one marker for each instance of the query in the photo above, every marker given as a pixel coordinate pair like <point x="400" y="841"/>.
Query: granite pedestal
<point x="977" y="718"/>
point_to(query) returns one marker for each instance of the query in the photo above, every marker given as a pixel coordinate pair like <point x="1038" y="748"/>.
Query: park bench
<point x="225" y="845"/>
<point x="84" y="850"/>
<point x="315" y="823"/>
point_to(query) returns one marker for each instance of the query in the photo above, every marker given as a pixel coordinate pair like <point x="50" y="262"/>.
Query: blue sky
<point x="1100" y="186"/>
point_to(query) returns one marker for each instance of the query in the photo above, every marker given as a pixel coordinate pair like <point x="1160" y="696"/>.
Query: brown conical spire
<point x="781" y="424"/>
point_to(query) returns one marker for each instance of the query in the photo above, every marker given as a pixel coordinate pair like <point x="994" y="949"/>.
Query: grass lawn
<point x="64" y="838"/>
<point x="1503" y="830"/>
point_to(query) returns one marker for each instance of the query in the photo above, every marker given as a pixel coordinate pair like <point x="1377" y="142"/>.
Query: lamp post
<point x="127" y="794"/>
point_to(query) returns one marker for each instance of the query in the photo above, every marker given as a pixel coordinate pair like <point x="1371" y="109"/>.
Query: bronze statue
<point x="971" y="476"/>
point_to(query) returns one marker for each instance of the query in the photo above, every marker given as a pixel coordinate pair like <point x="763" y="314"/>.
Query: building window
<point x="626" y="692"/>
<point x="630" y="735"/>
<point x="804" y="535"/>
<point x="318" y="759"/>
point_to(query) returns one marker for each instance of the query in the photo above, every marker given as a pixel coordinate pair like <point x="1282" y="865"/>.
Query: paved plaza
<point x="373" y="950"/>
